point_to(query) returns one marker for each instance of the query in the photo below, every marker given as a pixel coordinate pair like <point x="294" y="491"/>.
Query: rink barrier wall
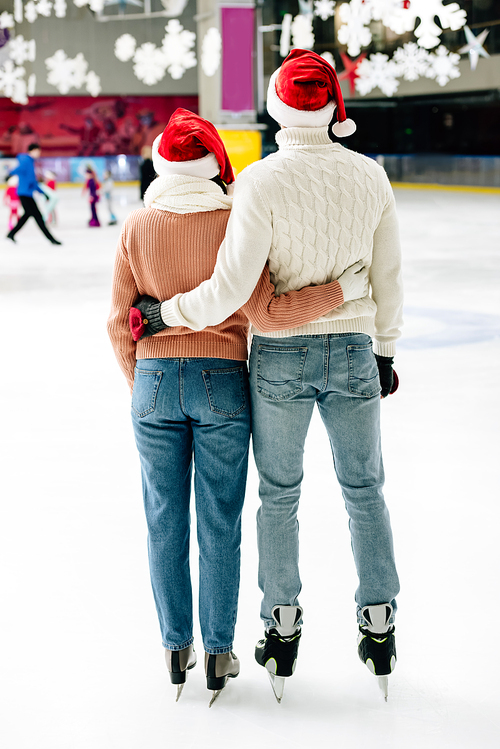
<point x="423" y="171"/>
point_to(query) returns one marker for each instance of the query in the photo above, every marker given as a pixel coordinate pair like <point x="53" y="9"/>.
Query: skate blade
<point x="180" y="687"/>
<point x="278" y="685"/>
<point x="383" y="682"/>
<point x="214" y="697"/>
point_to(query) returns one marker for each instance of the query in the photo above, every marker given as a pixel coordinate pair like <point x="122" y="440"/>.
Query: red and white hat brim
<point x="206" y="167"/>
<point x="290" y="117"/>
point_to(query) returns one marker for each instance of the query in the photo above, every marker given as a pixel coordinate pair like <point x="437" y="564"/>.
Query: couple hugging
<point x="304" y="254"/>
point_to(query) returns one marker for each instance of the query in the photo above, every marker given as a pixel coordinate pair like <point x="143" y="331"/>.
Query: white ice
<point x="81" y="664"/>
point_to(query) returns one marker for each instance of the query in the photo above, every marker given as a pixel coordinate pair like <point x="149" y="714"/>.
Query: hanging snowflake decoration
<point x="149" y="63"/>
<point x="93" y="83"/>
<point x="20" y="95"/>
<point x="60" y="68"/>
<point x="391" y="13"/>
<point x="428" y="33"/>
<point x="18" y="11"/>
<point x="31" y="85"/>
<point x="30" y="12"/>
<point x="6" y="20"/>
<point x="443" y="65"/>
<point x="377" y="71"/>
<point x="66" y="73"/>
<point x="302" y="32"/>
<point x="60" y="8"/>
<point x="177" y="49"/>
<point x="329" y="58"/>
<point x="211" y="51"/>
<point x="79" y="68"/>
<point x="20" y="50"/>
<point x="125" y="47"/>
<point x="44" y="8"/>
<point x="324" y="9"/>
<point x="11" y="79"/>
<point x="412" y="61"/>
<point x="354" y="31"/>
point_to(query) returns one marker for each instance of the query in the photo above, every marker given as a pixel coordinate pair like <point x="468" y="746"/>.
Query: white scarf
<point x="179" y="193"/>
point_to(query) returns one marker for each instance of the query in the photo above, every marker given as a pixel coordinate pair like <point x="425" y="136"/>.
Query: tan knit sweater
<point x="161" y="253"/>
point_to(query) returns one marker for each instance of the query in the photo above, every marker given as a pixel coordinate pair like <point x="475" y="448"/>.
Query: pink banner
<point x="237" y="59"/>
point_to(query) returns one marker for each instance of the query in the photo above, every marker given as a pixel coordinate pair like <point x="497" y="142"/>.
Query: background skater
<point x="28" y="184"/>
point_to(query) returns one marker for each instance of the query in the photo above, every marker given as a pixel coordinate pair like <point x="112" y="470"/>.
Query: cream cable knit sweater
<point x="313" y="209"/>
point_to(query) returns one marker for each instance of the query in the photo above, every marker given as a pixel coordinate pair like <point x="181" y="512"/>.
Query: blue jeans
<point x="287" y="377"/>
<point x="185" y="411"/>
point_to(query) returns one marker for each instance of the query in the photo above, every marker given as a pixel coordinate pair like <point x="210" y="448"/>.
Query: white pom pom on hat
<point x="305" y="92"/>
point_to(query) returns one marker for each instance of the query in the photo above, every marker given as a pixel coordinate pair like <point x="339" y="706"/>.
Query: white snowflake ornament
<point x="21" y="50"/>
<point x="211" y="48"/>
<point x="10" y="77"/>
<point x="412" y="61"/>
<point x="6" y="20"/>
<point x="93" y="83"/>
<point x="20" y="95"/>
<point x="325" y="9"/>
<point x="125" y="47"/>
<point x="377" y="71"/>
<point x="79" y="67"/>
<point x="443" y="65"/>
<point x="31" y="85"/>
<point x="149" y="63"/>
<point x="177" y="49"/>
<point x="391" y="13"/>
<point x="354" y="31"/>
<point x="30" y="12"/>
<point x="60" y="8"/>
<point x="329" y="58"/>
<point x="302" y="32"/>
<point x="428" y="33"/>
<point x="44" y="8"/>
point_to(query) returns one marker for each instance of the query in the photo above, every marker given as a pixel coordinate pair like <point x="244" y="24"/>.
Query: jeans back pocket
<point x="363" y="370"/>
<point x="226" y="390"/>
<point x="280" y="371"/>
<point x="146" y="384"/>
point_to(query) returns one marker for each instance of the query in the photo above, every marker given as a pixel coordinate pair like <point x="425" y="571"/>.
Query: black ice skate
<point x="179" y="662"/>
<point x="377" y="643"/>
<point x="277" y="652"/>
<point x="218" y="669"/>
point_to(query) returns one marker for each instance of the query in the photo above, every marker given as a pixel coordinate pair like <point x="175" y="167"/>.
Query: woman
<point x="92" y="185"/>
<point x="190" y="390"/>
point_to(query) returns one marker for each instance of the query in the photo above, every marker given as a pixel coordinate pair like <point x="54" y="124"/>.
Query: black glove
<point x="389" y="381"/>
<point x="145" y="318"/>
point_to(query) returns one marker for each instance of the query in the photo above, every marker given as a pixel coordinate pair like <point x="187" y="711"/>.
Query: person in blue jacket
<point x="27" y="186"/>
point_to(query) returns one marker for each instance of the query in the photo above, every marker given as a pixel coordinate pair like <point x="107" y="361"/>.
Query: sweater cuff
<point x="384" y="348"/>
<point x="167" y="312"/>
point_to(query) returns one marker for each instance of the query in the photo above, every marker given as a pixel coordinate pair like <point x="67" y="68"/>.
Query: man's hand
<point x="354" y="281"/>
<point x="145" y="318"/>
<point x="389" y="381"/>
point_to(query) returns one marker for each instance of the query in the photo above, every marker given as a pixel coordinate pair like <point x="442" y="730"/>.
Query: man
<point x="311" y="210"/>
<point x="28" y="184"/>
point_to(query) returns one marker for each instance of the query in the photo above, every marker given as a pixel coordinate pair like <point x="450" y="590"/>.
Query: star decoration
<point x="474" y="47"/>
<point x="350" y="70"/>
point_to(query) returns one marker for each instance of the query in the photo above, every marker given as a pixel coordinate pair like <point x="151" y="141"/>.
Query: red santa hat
<point x="305" y="91"/>
<point x="191" y="145"/>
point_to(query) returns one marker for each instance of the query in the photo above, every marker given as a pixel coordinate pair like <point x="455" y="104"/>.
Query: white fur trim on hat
<point x="206" y="167"/>
<point x="290" y="117"/>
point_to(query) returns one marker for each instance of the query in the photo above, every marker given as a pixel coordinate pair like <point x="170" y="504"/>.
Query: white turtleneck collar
<point x="303" y="136"/>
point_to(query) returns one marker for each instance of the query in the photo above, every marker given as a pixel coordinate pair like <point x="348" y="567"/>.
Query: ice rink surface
<point x="81" y="658"/>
